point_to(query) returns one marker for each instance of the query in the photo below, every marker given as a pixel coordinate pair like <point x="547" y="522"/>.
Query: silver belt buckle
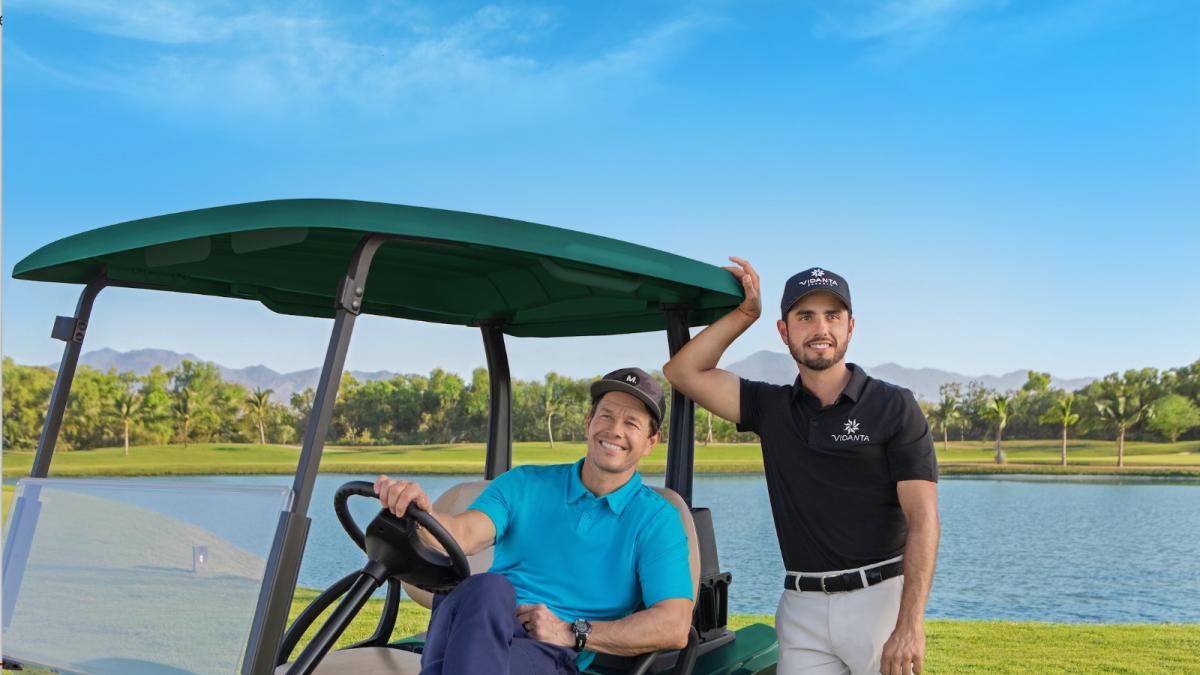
<point x="823" y="589"/>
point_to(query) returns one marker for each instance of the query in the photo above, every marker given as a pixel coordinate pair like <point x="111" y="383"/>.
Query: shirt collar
<point x="852" y="391"/>
<point x="617" y="500"/>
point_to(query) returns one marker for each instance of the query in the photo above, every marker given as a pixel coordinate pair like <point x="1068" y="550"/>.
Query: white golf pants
<point x="837" y="632"/>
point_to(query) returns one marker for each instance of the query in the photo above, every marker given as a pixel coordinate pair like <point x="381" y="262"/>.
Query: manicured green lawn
<point x="1087" y="452"/>
<point x="232" y="458"/>
<point x="951" y="646"/>
<point x="963" y="646"/>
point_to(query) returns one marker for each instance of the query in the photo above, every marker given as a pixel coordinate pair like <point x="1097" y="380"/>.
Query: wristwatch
<point x="581" y="628"/>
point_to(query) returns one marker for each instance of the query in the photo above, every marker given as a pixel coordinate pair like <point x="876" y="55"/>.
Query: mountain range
<point x="767" y="366"/>
<point x="142" y="361"/>
<point x="779" y="368"/>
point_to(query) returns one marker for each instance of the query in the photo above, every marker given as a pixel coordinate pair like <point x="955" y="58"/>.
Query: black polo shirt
<point x="832" y="471"/>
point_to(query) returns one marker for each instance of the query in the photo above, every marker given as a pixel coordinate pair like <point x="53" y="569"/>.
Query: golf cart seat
<point x="395" y="661"/>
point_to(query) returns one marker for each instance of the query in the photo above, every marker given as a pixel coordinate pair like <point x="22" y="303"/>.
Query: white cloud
<point x="158" y="21"/>
<point x="904" y="25"/>
<point x="229" y="56"/>
<point x="900" y="21"/>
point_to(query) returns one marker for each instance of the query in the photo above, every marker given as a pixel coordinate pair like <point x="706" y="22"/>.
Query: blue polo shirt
<point x="585" y="557"/>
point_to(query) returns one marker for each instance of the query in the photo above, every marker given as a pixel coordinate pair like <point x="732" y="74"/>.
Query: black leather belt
<point x="846" y="581"/>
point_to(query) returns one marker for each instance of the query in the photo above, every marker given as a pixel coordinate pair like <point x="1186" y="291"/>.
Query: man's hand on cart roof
<point x="748" y="278"/>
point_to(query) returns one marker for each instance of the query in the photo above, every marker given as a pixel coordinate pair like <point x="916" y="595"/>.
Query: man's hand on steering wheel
<point x="395" y="495"/>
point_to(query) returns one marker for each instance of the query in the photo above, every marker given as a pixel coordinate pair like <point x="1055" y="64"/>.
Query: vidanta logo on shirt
<point x="851" y="434"/>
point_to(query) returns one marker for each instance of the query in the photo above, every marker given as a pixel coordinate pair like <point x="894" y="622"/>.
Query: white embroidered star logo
<point x="818" y="272"/>
<point x="852" y="426"/>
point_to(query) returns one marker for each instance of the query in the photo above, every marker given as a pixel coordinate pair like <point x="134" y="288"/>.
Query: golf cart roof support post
<point x="283" y="564"/>
<point x="499" y="439"/>
<point x="681" y="442"/>
<point x="73" y="336"/>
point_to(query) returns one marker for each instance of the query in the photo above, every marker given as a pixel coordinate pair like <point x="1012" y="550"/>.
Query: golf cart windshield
<point x="130" y="577"/>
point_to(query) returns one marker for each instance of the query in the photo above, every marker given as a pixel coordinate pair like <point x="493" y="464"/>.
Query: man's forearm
<point x="704" y="351"/>
<point x="693" y="370"/>
<point x="657" y="627"/>
<point x="920" y="558"/>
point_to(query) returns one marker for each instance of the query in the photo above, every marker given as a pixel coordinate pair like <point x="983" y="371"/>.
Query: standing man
<point x="851" y="474"/>
<point x="588" y="558"/>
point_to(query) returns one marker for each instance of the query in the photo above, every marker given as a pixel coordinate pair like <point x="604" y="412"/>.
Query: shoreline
<point x="701" y="469"/>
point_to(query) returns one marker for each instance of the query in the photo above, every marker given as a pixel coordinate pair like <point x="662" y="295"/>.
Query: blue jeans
<point x="474" y="629"/>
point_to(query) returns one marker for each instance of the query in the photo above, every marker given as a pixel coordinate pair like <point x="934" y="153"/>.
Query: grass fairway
<point x="951" y="646"/>
<point x="961" y="646"/>
<point x="1181" y="458"/>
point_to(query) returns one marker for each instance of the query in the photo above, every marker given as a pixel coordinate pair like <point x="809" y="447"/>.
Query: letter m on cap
<point x="631" y="379"/>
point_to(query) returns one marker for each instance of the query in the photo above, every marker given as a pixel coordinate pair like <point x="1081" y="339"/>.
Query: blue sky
<point x="1006" y="185"/>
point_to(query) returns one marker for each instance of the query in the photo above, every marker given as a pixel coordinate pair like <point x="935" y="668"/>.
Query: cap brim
<point x="602" y="387"/>
<point x="810" y="291"/>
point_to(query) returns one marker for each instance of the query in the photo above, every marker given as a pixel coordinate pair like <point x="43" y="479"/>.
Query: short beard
<point x="817" y="363"/>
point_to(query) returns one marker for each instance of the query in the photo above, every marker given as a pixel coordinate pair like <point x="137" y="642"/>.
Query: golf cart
<point x="107" y="576"/>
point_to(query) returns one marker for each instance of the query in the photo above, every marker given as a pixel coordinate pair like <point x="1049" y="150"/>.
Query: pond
<point x="1065" y="549"/>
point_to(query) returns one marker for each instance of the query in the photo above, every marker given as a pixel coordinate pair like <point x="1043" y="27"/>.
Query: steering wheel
<point x="395" y="552"/>
<point x="395" y="542"/>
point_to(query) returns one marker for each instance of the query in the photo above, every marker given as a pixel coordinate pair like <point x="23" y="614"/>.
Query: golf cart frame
<point x="706" y="294"/>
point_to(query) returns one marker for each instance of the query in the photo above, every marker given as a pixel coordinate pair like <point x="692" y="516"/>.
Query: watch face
<point x="582" y="626"/>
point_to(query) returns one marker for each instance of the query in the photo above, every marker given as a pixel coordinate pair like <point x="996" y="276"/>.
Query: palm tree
<point x="1121" y="405"/>
<point x="126" y="406"/>
<point x="187" y="403"/>
<point x="258" y="404"/>
<point x="947" y="414"/>
<point x="1060" y="413"/>
<point x="997" y="408"/>
<point x="552" y="402"/>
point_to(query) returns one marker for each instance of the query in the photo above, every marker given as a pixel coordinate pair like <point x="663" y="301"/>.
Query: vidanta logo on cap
<point x="813" y="280"/>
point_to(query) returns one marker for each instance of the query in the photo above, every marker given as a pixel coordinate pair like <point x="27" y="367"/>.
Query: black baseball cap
<point x="637" y="382"/>
<point x="814" y="280"/>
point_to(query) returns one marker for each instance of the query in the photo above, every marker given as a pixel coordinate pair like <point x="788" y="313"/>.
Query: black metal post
<point x="499" y="443"/>
<point x="70" y="330"/>
<point x="283" y="565"/>
<point x="335" y="625"/>
<point x="681" y="443"/>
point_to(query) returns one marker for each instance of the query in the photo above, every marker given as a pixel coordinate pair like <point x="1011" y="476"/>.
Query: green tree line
<point x="1146" y="404"/>
<point x="192" y="403"/>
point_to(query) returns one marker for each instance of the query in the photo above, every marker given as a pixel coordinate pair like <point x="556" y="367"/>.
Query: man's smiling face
<point x="817" y="331"/>
<point x="619" y="433"/>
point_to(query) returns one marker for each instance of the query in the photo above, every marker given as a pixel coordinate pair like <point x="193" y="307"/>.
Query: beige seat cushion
<point x="689" y="528"/>
<point x="365" y="661"/>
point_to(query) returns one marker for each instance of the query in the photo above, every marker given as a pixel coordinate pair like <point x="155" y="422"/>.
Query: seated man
<point x="579" y="549"/>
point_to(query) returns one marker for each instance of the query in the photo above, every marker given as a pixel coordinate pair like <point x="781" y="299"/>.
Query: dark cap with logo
<point x="637" y="382"/>
<point x="815" y="280"/>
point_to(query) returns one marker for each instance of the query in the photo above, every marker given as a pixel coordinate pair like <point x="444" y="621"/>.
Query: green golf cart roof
<point x="443" y="267"/>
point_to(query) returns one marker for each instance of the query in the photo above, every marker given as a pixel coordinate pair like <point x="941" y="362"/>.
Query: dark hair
<point x="653" y="422"/>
